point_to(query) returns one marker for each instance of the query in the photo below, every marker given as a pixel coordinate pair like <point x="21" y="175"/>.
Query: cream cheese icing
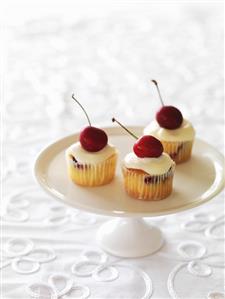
<point x="186" y="132"/>
<point x="85" y="157"/>
<point x="153" y="166"/>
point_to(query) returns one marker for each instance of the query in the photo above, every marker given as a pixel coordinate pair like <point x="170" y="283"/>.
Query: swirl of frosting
<point x="153" y="166"/>
<point x="85" y="157"/>
<point x="186" y="132"/>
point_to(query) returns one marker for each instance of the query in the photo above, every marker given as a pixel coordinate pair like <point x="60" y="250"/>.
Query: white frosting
<point x="85" y="157"/>
<point x="186" y="132"/>
<point x="153" y="166"/>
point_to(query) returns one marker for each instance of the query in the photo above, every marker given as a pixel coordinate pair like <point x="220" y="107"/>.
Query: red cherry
<point x="169" y="117"/>
<point x="148" y="147"/>
<point x="93" y="139"/>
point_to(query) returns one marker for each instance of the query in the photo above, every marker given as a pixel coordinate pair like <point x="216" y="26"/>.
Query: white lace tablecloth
<point x="48" y="249"/>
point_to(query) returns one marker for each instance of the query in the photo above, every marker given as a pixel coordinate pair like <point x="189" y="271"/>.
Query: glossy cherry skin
<point x="148" y="147"/>
<point x="169" y="117"/>
<point x="93" y="139"/>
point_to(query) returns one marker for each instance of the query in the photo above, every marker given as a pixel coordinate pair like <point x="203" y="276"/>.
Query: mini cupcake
<point x="176" y="142"/>
<point x="176" y="133"/>
<point x="92" y="160"/>
<point x="148" y="171"/>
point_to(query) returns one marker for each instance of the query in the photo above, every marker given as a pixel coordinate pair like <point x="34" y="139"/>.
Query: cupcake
<point x="176" y="133"/>
<point x="176" y="142"/>
<point x="91" y="161"/>
<point x="148" y="171"/>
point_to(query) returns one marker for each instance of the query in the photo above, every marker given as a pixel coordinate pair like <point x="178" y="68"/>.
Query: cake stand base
<point x="129" y="237"/>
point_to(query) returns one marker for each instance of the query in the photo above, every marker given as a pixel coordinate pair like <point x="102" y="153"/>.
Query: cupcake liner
<point x="178" y="151"/>
<point x="141" y="185"/>
<point x="92" y="175"/>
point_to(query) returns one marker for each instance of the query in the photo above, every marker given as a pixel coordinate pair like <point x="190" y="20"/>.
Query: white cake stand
<point x="128" y="235"/>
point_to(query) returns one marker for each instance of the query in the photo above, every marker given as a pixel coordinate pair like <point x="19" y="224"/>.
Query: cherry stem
<point x="82" y="109"/>
<point x="156" y="84"/>
<point x="114" y="120"/>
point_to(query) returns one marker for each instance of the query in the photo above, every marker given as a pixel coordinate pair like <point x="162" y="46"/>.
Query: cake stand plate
<point x="128" y="235"/>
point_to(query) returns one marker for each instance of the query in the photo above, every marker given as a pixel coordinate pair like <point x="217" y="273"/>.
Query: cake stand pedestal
<point x="128" y="235"/>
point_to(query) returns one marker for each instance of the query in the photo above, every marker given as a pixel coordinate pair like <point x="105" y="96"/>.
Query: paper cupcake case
<point x="143" y="186"/>
<point x="178" y="151"/>
<point x="91" y="175"/>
